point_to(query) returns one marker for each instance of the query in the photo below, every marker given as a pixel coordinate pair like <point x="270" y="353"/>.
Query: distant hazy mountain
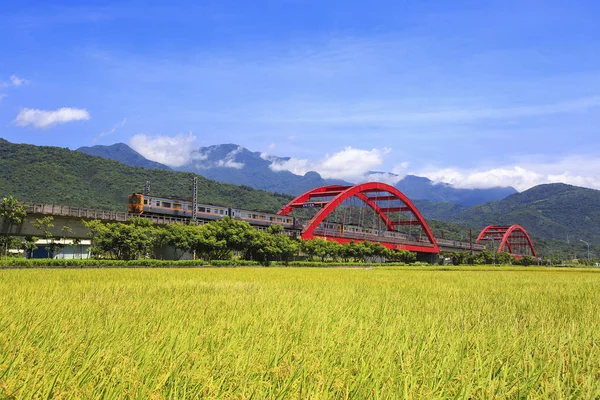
<point x="122" y="153"/>
<point x="231" y="163"/>
<point x="419" y="188"/>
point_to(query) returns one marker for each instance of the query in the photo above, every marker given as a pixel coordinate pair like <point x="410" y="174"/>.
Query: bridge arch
<point x="372" y="194"/>
<point x="514" y="237"/>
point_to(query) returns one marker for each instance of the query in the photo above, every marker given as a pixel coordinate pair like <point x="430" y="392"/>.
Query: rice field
<point x="300" y="333"/>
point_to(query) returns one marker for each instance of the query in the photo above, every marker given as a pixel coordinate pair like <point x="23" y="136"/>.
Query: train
<point x="146" y="205"/>
<point x="152" y="205"/>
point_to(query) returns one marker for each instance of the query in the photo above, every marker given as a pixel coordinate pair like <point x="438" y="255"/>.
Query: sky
<point x="473" y="93"/>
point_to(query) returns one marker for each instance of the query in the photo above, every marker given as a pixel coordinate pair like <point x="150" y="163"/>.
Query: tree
<point x="263" y="248"/>
<point x="179" y="237"/>
<point x="400" y="256"/>
<point x="28" y="245"/>
<point x="289" y="247"/>
<point x="11" y="213"/>
<point x="205" y="244"/>
<point x="123" y="241"/>
<point x="335" y="249"/>
<point x="351" y="251"/>
<point x="315" y="247"/>
<point x="45" y="226"/>
<point x="98" y="233"/>
<point x="272" y="245"/>
<point x="527" y="260"/>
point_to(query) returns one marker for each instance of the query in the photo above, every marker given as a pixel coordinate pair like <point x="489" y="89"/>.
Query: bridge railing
<point x="68" y="211"/>
<point x="368" y="237"/>
<point x="460" y="245"/>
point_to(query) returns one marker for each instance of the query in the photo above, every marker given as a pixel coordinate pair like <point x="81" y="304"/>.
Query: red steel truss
<point x="514" y="237"/>
<point x="337" y="194"/>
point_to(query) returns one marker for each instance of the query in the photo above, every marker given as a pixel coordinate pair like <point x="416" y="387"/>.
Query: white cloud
<point x="230" y="164"/>
<point x="173" y="151"/>
<point x="385" y="177"/>
<point x="229" y="160"/>
<point x="348" y="164"/>
<point x="45" y="118"/>
<point x="198" y="156"/>
<point x="16" y="81"/>
<point x="573" y="170"/>
<point x="110" y="131"/>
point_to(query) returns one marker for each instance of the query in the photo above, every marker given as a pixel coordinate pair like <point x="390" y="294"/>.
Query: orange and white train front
<point x="135" y="205"/>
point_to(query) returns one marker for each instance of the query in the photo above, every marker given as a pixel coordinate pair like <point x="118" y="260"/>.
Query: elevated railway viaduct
<point x="392" y="209"/>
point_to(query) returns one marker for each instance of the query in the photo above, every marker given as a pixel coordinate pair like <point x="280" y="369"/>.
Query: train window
<point x="221" y="212"/>
<point x="166" y="204"/>
<point x="176" y="206"/>
<point x="157" y="203"/>
<point x="145" y="201"/>
<point x="189" y="207"/>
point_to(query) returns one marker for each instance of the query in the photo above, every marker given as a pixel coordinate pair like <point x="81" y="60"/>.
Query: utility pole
<point x="195" y="200"/>
<point x="471" y="240"/>
<point x="147" y="188"/>
<point x="588" y="248"/>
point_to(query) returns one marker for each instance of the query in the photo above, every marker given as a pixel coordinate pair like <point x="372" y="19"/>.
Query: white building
<point x="65" y="248"/>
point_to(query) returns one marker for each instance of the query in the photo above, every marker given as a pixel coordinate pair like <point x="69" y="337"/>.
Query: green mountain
<point x="53" y="175"/>
<point x="555" y="211"/>
<point x="122" y="153"/>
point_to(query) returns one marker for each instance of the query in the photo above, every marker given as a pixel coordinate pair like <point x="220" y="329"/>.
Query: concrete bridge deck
<point x="72" y="217"/>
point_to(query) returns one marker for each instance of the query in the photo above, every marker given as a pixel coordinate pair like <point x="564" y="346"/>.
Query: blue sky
<point x="469" y="92"/>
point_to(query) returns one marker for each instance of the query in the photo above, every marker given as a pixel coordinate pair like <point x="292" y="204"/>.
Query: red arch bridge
<point x="513" y="238"/>
<point x="378" y="212"/>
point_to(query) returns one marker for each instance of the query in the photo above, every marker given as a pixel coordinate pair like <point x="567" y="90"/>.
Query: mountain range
<point x="555" y="211"/>
<point x="231" y="163"/>
<point x="55" y="175"/>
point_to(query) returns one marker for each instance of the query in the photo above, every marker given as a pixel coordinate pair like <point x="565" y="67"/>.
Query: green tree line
<point x="487" y="257"/>
<point x="226" y="239"/>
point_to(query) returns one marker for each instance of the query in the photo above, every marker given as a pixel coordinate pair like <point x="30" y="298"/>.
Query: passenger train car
<point x="337" y="229"/>
<point x="152" y="205"/>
